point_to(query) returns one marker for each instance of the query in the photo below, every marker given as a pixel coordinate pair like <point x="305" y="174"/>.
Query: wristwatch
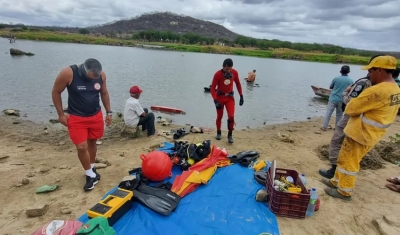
<point x="109" y="113"/>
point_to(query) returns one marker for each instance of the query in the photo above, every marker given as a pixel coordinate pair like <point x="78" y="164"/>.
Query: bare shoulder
<point x="67" y="71"/>
<point x="65" y="75"/>
<point x="63" y="79"/>
<point x="103" y="76"/>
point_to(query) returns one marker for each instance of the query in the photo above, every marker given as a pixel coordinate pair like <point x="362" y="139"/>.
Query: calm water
<point x="174" y="79"/>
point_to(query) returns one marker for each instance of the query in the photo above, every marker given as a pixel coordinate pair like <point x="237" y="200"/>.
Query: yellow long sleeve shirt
<point x="372" y="112"/>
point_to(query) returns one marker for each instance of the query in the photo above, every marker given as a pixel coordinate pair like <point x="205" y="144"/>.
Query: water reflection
<point x="19" y="57"/>
<point x="319" y="100"/>
<point x="249" y="86"/>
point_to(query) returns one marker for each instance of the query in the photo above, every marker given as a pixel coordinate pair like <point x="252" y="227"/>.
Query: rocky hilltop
<point x="165" y="21"/>
<point x="182" y="24"/>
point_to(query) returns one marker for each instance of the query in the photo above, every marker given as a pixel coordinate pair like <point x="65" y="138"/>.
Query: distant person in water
<point x="396" y="76"/>
<point x="338" y="85"/>
<point x="251" y="77"/>
<point x="135" y="115"/>
<point x="86" y="84"/>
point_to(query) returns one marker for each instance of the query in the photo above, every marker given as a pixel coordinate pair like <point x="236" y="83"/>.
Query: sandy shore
<point x="51" y="159"/>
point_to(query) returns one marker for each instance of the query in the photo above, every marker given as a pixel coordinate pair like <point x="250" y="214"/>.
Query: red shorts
<point x="82" y="128"/>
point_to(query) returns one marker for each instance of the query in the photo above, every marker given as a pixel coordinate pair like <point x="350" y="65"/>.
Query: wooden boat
<point x="322" y="92"/>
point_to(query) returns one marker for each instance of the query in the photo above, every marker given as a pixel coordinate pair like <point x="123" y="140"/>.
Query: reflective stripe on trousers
<point x="373" y="123"/>
<point x="348" y="166"/>
<point x="343" y="171"/>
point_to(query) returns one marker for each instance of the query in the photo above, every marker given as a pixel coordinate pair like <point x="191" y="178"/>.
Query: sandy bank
<point x="51" y="158"/>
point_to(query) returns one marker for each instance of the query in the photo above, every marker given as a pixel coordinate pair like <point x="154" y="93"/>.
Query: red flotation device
<point x="166" y="109"/>
<point x="156" y="166"/>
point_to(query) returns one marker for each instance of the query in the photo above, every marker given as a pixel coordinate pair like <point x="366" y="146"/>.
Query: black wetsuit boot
<point x="230" y="138"/>
<point x="218" y="137"/>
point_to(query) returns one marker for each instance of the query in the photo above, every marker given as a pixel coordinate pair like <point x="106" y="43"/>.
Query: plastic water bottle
<point x="303" y="179"/>
<point x="313" y="201"/>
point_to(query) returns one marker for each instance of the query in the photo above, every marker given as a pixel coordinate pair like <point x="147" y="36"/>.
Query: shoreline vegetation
<point x="212" y="48"/>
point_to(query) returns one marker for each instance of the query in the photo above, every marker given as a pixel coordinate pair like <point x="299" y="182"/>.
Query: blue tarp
<point x="226" y="205"/>
<point x="168" y="147"/>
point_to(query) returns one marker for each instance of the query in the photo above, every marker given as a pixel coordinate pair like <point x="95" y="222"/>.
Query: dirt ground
<point x="28" y="153"/>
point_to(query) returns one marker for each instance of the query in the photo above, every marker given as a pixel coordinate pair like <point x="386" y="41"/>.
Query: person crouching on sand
<point x="135" y="115"/>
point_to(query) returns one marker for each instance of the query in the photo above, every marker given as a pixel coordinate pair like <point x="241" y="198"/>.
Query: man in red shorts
<point x="222" y="93"/>
<point x="85" y="83"/>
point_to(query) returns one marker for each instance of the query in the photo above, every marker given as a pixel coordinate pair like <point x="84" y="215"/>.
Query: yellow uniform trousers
<point x="348" y="165"/>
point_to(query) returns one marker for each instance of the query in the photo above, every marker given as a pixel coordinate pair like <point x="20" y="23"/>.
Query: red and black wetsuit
<point x="222" y="91"/>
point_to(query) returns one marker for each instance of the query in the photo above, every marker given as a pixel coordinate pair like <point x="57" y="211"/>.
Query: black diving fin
<point x="261" y="177"/>
<point x="179" y="133"/>
<point x="247" y="160"/>
<point x="160" y="200"/>
<point x="244" y="156"/>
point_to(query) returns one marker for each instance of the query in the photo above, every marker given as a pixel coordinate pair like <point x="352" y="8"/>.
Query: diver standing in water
<point x="222" y="93"/>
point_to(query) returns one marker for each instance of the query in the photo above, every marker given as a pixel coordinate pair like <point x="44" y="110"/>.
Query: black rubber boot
<point x="329" y="174"/>
<point x="218" y="137"/>
<point x="230" y="138"/>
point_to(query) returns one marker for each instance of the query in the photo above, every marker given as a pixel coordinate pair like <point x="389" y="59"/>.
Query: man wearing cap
<point x="135" y="115"/>
<point x="85" y="84"/>
<point x="371" y="113"/>
<point x="338" y="85"/>
<point x="351" y="92"/>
